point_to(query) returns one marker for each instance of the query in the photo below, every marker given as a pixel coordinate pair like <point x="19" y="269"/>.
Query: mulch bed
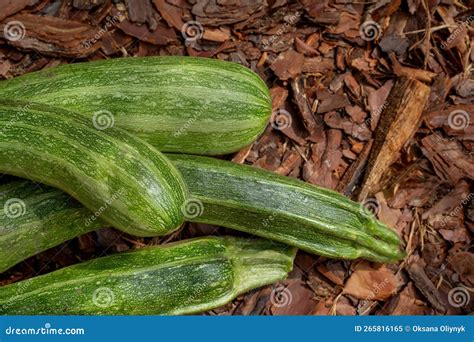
<point x="331" y="67"/>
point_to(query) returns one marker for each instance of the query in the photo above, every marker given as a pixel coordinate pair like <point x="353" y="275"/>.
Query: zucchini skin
<point x="284" y="209"/>
<point x="177" y="104"/>
<point x="241" y="197"/>
<point x="179" y="278"/>
<point x="49" y="217"/>
<point x="117" y="176"/>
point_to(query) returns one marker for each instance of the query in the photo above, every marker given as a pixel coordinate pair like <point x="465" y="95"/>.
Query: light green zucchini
<point x="177" y="104"/>
<point x="179" y="278"/>
<point x="117" y="176"/>
<point x="241" y="197"/>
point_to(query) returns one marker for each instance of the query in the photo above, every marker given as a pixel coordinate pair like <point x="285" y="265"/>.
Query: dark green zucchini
<point x="179" y="278"/>
<point x="235" y="196"/>
<point x="177" y="104"/>
<point x="117" y="176"/>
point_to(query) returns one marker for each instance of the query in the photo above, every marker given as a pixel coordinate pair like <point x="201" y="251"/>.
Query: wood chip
<point x="399" y="121"/>
<point x="370" y="283"/>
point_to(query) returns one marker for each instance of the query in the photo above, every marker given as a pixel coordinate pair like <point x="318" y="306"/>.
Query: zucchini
<point x="241" y="197"/>
<point x="117" y="176"/>
<point x="45" y="217"/>
<point x="284" y="209"/>
<point x="177" y="104"/>
<point x="179" y="278"/>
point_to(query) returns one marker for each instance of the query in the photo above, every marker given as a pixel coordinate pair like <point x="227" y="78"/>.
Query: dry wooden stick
<point x="398" y="122"/>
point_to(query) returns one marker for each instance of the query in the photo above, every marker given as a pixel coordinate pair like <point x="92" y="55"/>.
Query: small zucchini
<point x="241" y="197"/>
<point x="117" y="176"/>
<point x="177" y="104"/>
<point x="179" y="278"/>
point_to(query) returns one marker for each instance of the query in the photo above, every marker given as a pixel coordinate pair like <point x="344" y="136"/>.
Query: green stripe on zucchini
<point x="35" y="217"/>
<point x="177" y="104"/>
<point x="179" y="278"/>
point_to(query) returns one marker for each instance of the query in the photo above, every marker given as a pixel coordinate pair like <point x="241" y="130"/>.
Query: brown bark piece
<point x="292" y="299"/>
<point x="402" y="71"/>
<point x="463" y="264"/>
<point x="334" y="271"/>
<point x="279" y="95"/>
<point x="10" y="7"/>
<point x="55" y="36"/>
<point x="161" y="36"/>
<point x="334" y="120"/>
<point x="288" y="164"/>
<point x="317" y="65"/>
<point x="406" y="303"/>
<point x="87" y="4"/>
<point x="329" y="102"/>
<point x="138" y="10"/>
<point x="399" y="121"/>
<point x="288" y="64"/>
<point x="355" y="171"/>
<point x="425" y="285"/>
<point x="322" y="172"/>
<point x="370" y="283"/>
<point x="218" y="13"/>
<point x="457" y="121"/>
<point x="448" y="159"/>
<point x="172" y="14"/>
<point x="377" y="101"/>
<point x="314" y="124"/>
<point x="456" y="198"/>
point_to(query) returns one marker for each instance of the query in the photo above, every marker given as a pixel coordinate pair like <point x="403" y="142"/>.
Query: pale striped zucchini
<point x="35" y="217"/>
<point x="235" y="196"/>
<point x="177" y="104"/>
<point x="179" y="278"/>
<point x="117" y="176"/>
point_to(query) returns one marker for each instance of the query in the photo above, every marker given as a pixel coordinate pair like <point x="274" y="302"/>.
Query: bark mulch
<point x="372" y="99"/>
